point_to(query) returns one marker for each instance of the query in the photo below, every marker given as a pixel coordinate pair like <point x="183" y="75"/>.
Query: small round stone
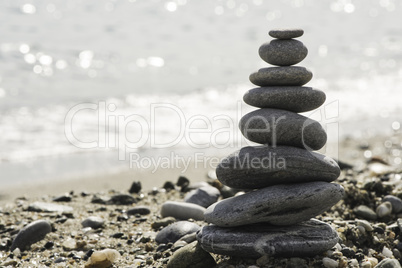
<point x="283" y="204"/>
<point x="94" y="222"/>
<point x="283" y="52"/>
<point x="295" y="99"/>
<point x="286" y="33"/>
<point x="281" y="76"/>
<point x="191" y="255"/>
<point x="203" y="196"/>
<point x="253" y="241"/>
<point x="255" y="167"/>
<point x="281" y="127"/>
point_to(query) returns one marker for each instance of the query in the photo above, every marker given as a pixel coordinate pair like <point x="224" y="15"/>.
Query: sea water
<point x="85" y="85"/>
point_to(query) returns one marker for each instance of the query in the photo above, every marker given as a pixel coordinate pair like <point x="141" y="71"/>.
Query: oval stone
<point x="284" y="204"/>
<point x="203" y="196"/>
<point x="281" y="127"/>
<point x="175" y="231"/>
<point x="262" y="166"/>
<point x="281" y="76"/>
<point x="286" y="33"/>
<point x="295" y="99"/>
<point x="253" y="241"/>
<point x="32" y="233"/>
<point x="283" y="52"/>
<point x="182" y="210"/>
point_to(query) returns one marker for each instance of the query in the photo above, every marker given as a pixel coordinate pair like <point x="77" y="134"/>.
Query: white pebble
<point x="329" y="263"/>
<point x="353" y="263"/>
<point x="103" y="258"/>
<point x="338" y="247"/>
<point x="387" y="252"/>
<point x="373" y="261"/>
<point x="365" y="224"/>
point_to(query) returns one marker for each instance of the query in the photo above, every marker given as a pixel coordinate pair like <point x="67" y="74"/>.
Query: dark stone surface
<point x="253" y="241"/>
<point x="261" y="166"/>
<point x="287" y="33"/>
<point x="295" y="99"/>
<point x="175" y="231"/>
<point x="121" y="199"/>
<point x="281" y="76"/>
<point x="284" y="204"/>
<point x="395" y="201"/>
<point x="204" y="196"/>
<point x="32" y="233"/>
<point x="142" y="210"/>
<point x="281" y="127"/>
<point x="94" y="222"/>
<point x="135" y="187"/>
<point x="283" y="52"/>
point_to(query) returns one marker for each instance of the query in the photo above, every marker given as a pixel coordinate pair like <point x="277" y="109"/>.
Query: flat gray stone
<point x="253" y="241"/>
<point x="30" y="234"/>
<point x="204" y="196"/>
<point x="281" y="127"/>
<point x="294" y="99"/>
<point x="49" y="207"/>
<point x="182" y="210"/>
<point x="175" y="231"/>
<point x="94" y="222"/>
<point x="261" y="166"/>
<point x="191" y="255"/>
<point x="365" y="212"/>
<point x="283" y="52"/>
<point x="141" y="210"/>
<point x="281" y="76"/>
<point x="284" y="204"/>
<point x="286" y="33"/>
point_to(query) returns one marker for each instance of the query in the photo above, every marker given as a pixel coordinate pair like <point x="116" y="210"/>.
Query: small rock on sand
<point x="32" y="233"/>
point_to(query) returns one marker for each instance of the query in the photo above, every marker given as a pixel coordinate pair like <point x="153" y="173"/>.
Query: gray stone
<point x="295" y="99"/>
<point x="142" y="210"/>
<point x="49" y="207"/>
<point x="121" y="199"/>
<point x="284" y="204"/>
<point x="253" y="241"/>
<point x="93" y="221"/>
<point x="365" y="212"/>
<point x="261" y="166"/>
<point x="286" y="33"/>
<point x="283" y="52"/>
<point x="191" y="255"/>
<point x="204" y="196"/>
<point x="281" y="127"/>
<point x="175" y="231"/>
<point x="281" y="76"/>
<point x="182" y="210"/>
<point x="395" y="201"/>
<point x="388" y="263"/>
<point x="384" y="209"/>
<point x="163" y="222"/>
<point x="32" y="233"/>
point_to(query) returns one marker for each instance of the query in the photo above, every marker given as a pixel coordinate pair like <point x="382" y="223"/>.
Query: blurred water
<point x="194" y="55"/>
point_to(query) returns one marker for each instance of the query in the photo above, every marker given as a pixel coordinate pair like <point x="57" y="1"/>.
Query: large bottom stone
<point x="285" y="204"/>
<point x="253" y="241"/>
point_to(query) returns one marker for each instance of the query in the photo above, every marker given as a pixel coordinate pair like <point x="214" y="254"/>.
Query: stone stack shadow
<point x="288" y="183"/>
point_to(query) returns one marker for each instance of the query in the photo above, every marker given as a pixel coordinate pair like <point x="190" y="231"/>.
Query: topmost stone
<point x="286" y="33"/>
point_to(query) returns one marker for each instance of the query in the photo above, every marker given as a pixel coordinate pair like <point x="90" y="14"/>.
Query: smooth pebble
<point x="283" y="52"/>
<point x="204" y="196"/>
<point x="294" y="99"/>
<point x="286" y="33"/>
<point x="280" y="127"/>
<point x="277" y="205"/>
<point x="32" y="233"/>
<point x="278" y="165"/>
<point x="182" y="210"/>
<point x="49" y="207"/>
<point x="395" y="201"/>
<point x="94" y="222"/>
<point x="191" y="255"/>
<point x="281" y="76"/>
<point x="175" y="231"/>
<point x="308" y="238"/>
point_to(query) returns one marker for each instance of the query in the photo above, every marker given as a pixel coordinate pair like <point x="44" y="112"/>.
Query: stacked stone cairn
<point x="288" y="184"/>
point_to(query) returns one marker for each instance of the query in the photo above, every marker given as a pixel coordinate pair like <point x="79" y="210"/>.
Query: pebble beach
<point x="126" y="227"/>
